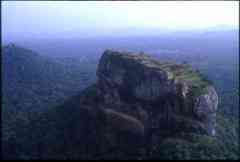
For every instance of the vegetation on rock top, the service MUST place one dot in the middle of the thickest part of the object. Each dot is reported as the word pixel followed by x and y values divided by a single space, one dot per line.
pixel 181 72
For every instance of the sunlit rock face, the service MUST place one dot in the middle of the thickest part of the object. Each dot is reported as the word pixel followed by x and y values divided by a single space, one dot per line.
pixel 205 109
pixel 166 97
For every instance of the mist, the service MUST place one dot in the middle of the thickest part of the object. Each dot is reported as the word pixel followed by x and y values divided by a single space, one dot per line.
pixel 67 20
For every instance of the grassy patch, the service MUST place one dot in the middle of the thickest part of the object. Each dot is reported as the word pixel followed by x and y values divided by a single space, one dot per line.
pixel 197 81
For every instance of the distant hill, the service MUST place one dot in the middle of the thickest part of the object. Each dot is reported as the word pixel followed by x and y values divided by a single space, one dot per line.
pixel 32 83
pixel 26 73
pixel 21 65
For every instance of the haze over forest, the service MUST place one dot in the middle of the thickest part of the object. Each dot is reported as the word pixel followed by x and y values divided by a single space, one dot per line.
pixel 52 20
pixel 51 53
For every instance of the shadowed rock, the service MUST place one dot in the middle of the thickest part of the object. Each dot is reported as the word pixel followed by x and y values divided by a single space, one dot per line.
pixel 137 101
pixel 160 89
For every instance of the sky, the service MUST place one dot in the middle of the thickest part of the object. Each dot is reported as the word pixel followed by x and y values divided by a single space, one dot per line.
pixel 32 19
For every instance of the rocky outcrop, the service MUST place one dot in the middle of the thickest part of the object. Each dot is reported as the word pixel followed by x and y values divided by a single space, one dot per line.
pixel 138 96
pixel 160 92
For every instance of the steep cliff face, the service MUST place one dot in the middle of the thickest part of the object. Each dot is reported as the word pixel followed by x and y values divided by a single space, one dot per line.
pixel 138 101
pixel 161 95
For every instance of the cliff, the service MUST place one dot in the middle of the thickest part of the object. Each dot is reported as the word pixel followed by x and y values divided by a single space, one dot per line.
pixel 138 100
pixel 164 95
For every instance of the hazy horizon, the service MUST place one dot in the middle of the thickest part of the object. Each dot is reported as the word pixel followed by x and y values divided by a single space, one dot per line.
pixel 51 20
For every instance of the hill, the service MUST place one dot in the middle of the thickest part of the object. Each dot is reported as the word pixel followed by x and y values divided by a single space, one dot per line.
pixel 32 83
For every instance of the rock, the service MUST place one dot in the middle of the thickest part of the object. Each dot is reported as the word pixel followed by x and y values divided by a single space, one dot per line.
pixel 161 89
pixel 137 98
pixel 205 108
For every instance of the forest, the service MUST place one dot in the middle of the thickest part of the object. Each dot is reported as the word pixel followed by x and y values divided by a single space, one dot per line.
pixel 35 84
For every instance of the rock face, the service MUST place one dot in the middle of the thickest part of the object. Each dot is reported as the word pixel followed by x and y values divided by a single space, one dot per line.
pixel 137 96
pixel 161 93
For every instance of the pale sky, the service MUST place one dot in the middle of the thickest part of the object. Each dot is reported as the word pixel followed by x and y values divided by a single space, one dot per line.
pixel 36 18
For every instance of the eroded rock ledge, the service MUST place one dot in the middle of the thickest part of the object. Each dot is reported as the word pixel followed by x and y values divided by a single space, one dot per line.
pixel 138 95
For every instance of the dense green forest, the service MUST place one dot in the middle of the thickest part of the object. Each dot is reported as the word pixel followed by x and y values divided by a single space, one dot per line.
pixel 31 84
pixel 34 127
